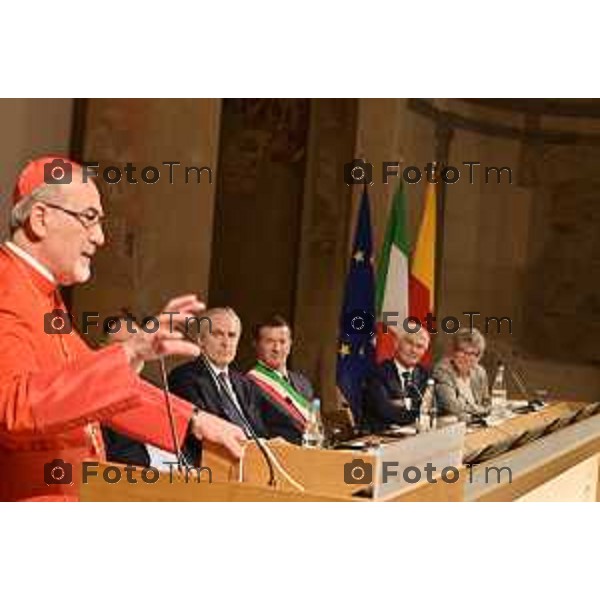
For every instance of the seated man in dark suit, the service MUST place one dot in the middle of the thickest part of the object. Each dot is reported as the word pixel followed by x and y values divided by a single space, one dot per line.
pixel 212 385
pixel 392 392
pixel 289 393
pixel 120 448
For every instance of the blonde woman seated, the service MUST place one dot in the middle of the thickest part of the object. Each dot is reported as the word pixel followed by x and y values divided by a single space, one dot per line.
pixel 461 382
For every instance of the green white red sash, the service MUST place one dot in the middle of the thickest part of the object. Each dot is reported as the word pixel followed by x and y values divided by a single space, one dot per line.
pixel 281 392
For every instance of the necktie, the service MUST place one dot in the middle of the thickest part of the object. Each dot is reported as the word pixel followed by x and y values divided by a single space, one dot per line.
pixel 235 410
pixel 406 387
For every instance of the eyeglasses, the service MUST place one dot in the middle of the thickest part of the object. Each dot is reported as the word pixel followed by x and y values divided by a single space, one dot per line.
pixel 470 353
pixel 88 217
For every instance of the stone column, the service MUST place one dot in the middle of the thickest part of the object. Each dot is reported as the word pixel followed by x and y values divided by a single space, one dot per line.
pixel 159 236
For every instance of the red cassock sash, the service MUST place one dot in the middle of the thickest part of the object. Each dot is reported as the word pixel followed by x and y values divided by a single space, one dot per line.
pixel 55 391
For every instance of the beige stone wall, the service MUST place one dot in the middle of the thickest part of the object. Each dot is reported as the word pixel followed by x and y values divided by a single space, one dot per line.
pixel 388 131
pixel 562 288
pixel 498 257
pixel 527 250
pixel 256 240
pixel 30 127
pixel 158 236
pixel 323 254
pixel 486 233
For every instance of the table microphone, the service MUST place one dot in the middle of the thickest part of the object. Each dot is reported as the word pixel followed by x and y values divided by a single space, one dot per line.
pixel 409 381
pixel 517 378
pixel 181 459
pixel 249 429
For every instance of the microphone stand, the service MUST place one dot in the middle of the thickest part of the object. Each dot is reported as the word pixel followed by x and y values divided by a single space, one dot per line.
pixel 516 377
pixel 249 430
pixel 409 382
pixel 182 461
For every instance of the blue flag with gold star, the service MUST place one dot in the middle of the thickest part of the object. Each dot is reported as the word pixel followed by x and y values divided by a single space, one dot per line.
pixel 356 349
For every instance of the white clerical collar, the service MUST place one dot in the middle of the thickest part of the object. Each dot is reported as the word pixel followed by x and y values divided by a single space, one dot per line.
pixel 31 261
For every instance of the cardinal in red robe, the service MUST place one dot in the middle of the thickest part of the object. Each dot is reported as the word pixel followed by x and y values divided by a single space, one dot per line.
pixel 54 389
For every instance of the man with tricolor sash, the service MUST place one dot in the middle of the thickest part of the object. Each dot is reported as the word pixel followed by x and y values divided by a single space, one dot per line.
pixel 289 393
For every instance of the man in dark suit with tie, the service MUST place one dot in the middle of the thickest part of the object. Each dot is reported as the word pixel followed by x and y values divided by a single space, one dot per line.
pixel 212 385
pixel 393 391
pixel 288 393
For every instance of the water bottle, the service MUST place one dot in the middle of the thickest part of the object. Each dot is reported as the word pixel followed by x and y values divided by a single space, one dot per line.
pixel 425 422
pixel 313 436
pixel 434 407
pixel 498 392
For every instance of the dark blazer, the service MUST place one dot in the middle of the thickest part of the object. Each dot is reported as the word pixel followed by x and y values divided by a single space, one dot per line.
pixel 301 384
pixel 194 382
pixel 122 449
pixel 277 421
pixel 383 386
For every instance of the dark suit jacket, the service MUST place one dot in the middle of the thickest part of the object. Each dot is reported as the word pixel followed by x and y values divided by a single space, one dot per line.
pixel 122 449
pixel 277 421
pixel 194 382
pixel 383 386
pixel 301 384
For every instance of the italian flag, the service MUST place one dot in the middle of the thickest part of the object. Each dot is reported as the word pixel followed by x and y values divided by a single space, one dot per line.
pixel 422 273
pixel 391 294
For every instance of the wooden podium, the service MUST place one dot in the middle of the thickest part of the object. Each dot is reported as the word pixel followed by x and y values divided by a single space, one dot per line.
pixel 311 475
pixel 561 465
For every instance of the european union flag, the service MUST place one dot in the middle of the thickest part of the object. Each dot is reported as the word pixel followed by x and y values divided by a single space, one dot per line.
pixel 356 350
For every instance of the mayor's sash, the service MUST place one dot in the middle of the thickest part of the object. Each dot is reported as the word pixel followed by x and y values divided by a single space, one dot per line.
pixel 282 393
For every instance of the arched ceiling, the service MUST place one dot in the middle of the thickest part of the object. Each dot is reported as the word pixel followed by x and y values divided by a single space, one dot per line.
pixel 561 107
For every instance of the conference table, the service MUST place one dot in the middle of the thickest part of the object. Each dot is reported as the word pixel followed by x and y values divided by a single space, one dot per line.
pixel 512 429
pixel 550 454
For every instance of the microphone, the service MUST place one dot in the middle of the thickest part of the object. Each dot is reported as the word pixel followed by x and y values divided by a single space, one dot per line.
pixel 517 377
pixel 259 444
pixel 182 461
pixel 180 457
pixel 409 382
pixel 247 426
pixel 240 414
